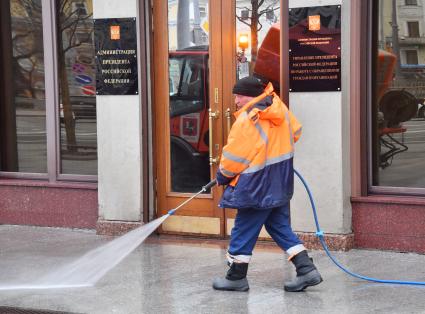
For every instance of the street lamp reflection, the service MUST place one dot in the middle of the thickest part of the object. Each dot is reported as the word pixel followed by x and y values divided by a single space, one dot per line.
pixel 243 43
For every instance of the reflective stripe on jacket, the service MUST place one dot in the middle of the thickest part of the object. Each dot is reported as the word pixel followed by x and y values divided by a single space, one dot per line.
pixel 257 160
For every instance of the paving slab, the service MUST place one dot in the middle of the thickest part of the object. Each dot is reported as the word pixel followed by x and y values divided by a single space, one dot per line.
pixel 174 276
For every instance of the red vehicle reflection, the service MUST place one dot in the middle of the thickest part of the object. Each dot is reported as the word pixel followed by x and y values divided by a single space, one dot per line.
pixel 189 118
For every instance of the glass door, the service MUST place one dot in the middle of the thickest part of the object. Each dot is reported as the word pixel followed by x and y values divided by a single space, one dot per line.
pixel 188 112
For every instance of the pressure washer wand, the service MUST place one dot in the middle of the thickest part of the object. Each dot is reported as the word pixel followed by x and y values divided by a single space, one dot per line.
pixel 204 189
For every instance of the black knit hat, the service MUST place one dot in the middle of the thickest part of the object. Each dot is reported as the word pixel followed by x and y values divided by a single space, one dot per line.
pixel 248 86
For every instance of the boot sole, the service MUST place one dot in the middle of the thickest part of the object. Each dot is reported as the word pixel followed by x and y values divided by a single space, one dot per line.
pixel 228 285
pixel 244 289
pixel 311 283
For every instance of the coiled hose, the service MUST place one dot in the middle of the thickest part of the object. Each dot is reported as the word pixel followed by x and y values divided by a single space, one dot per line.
pixel 320 235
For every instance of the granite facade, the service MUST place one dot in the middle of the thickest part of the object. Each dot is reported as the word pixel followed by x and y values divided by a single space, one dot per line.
pixel 41 203
pixel 389 223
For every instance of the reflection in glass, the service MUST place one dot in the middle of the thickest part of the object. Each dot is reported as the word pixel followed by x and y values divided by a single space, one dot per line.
pixel 77 108
pixel 22 105
pixel 398 109
pixel 256 20
pixel 188 85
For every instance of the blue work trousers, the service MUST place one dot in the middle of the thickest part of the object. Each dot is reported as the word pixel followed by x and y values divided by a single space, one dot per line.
pixel 248 225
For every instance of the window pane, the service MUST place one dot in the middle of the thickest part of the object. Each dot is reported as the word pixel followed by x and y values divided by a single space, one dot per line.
pixel 77 107
pixel 398 112
pixel 257 25
pixel 412 57
pixel 188 74
pixel 411 2
pixel 22 99
pixel 413 29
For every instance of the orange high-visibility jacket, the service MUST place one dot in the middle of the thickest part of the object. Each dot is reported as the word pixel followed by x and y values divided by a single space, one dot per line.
pixel 257 161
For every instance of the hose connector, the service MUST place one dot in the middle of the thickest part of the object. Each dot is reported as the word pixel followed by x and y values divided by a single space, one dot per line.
pixel 209 185
pixel 171 211
pixel 319 234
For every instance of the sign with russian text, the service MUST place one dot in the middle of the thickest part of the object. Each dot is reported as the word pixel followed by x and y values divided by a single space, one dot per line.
pixel 116 56
pixel 315 49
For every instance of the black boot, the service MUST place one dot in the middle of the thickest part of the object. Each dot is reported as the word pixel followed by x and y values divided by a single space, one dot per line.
pixel 235 278
pixel 307 273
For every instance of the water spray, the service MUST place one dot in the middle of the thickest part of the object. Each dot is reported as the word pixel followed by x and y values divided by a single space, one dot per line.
pixel 92 266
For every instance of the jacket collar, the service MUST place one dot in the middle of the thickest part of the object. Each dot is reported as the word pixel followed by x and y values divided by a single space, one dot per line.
pixel 269 90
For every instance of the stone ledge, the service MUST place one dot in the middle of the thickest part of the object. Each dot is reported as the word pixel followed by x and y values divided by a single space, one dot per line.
pixel 335 242
pixel 115 228
pixel 389 200
pixel 26 183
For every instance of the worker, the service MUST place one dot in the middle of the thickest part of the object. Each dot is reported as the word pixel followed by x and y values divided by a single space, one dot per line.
pixel 257 167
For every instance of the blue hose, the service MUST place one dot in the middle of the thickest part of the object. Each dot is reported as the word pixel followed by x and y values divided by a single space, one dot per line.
pixel 320 235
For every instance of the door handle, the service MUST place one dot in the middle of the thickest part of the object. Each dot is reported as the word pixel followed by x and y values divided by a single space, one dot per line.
pixel 229 120
pixel 212 115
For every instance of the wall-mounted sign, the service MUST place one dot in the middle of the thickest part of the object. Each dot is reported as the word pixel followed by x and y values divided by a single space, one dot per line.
pixel 116 56
pixel 315 49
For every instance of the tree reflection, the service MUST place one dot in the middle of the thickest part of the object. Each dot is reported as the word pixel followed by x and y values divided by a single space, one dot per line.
pixel 27 42
pixel 250 14
pixel 70 19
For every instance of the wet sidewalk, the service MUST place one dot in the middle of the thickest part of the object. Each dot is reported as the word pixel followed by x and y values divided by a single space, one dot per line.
pixel 172 276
